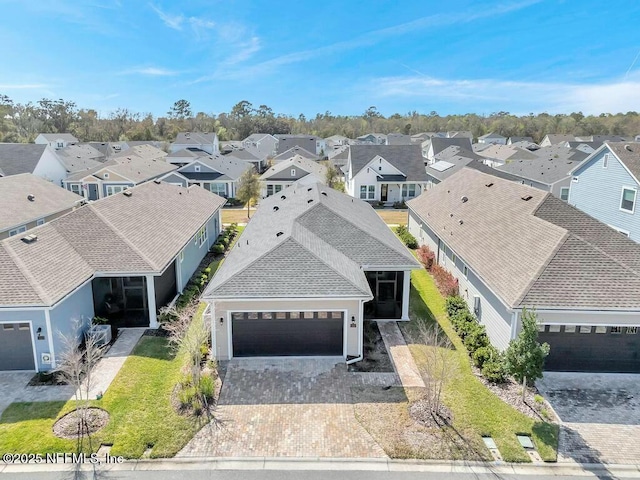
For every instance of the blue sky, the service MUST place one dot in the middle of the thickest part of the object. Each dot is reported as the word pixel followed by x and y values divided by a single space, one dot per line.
pixel 454 56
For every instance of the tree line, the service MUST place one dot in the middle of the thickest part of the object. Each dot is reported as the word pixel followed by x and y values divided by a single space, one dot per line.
pixel 23 122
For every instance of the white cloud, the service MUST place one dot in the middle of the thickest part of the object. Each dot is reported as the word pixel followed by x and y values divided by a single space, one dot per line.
pixel 172 21
pixel 245 50
pixel 150 71
pixel 517 97
pixel 23 86
pixel 198 25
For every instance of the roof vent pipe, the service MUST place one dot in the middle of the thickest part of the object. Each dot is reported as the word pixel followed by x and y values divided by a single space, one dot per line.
pixel 31 197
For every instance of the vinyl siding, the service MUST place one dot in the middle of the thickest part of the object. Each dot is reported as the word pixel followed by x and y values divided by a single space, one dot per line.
pixel 599 190
pixel 493 314
pixel 193 254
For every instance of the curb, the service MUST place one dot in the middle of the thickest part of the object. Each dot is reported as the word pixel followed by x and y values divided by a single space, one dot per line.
pixel 333 464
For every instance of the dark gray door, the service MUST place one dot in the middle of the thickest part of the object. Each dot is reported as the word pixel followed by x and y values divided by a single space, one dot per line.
pixel 16 351
pixel 93 191
pixel 267 335
pixel 607 349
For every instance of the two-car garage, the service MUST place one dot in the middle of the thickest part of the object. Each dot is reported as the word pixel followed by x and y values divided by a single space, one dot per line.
pixel 291 333
pixel 16 347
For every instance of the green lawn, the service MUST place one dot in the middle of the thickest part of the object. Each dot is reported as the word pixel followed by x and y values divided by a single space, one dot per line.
pixel 476 410
pixel 138 400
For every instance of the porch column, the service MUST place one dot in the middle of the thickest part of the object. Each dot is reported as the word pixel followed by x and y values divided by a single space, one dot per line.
pixel 406 284
pixel 151 301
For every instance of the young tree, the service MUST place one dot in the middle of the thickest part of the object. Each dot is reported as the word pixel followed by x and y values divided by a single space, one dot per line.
pixel 525 355
pixel 440 366
pixel 180 110
pixel 248 188
pixel 332 178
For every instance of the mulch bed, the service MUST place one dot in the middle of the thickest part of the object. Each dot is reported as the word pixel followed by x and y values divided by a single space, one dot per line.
pixel 46 379
pixel 376 358
pixel 421 412
pixel 69 425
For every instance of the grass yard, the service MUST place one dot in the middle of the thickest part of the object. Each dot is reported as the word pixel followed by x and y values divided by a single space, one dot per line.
pixel 138 401
pixel 393 216
pixel 235 215
pixel 476 411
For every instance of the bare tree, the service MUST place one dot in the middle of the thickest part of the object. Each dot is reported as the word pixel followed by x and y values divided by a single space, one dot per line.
pixel 440 365
pixel 76 364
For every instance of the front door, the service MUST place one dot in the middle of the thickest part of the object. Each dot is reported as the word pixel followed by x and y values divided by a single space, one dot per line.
pixel 384 190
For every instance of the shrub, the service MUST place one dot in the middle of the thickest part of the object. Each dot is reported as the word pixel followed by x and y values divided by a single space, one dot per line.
pixel 218 248
pixel 207 387
pixel 400 205
pixel 468 325
pixel 426 256
pixel 447 284
pixel 476 338
pixel 461 319
pixel 455 304
pixel 483 354
pixel 224 241
pixel 196 405
pixel 406 237
pixel 188 294
pixel 494 369
pixel 187 396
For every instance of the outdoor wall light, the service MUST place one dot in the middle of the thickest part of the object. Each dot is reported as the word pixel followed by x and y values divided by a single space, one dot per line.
pixel 39 332
pixel 221 320
pixel 353 322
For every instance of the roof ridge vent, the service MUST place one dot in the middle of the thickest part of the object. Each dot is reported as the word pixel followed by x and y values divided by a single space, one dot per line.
pixel 276 208
pixel 628 148
pixel 279 234
pixel 31 197
pixel 464 199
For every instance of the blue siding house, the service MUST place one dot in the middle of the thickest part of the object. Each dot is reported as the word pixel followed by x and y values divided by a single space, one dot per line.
pixel 122 257
pixel 606 186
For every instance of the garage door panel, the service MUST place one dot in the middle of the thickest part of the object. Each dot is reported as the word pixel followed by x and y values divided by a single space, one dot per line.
pixel 287 337
pixel 592 352
pixel 16 349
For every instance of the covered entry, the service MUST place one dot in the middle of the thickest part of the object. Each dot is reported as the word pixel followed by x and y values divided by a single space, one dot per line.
pixel 576 348
pixel 16 348
pixel 287 333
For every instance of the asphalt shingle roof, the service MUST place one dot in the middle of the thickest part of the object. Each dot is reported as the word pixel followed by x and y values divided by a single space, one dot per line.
pixel 406 158
pixel 540 170
pixel 539 253
pixel 16 158
pixel 308 241
pixel 629 154
pixel 309 166
pixel 17 209
pixel 140 233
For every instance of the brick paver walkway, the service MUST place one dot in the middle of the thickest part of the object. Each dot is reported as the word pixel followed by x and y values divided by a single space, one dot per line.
pixel 600 415
pixel 400 355
pixel 287 407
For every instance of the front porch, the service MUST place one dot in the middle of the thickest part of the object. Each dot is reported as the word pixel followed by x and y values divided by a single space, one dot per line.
pixel 390 295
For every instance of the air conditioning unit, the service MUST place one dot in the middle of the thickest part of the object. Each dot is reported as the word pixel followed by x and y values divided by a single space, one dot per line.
pixel 476 305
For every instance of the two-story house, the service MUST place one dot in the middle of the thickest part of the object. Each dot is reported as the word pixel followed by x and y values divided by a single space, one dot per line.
pixel 311 143
pixel 385 173
pixel 606 186
pixel 204 141
pixel 494 138
pixel 56 140
pixel 39 159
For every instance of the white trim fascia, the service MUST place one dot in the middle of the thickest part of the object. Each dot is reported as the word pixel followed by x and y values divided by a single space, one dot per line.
pixel 47 318
pixel 387 268
pixel 591 156
pixel 581 312
pixel 110 180
pixel 290 299
pixel 592 324
pixel 173 172
pixel 33 345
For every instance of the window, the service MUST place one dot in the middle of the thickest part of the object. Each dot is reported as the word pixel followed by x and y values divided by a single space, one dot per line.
pixel 541 327
pixel 196 168
pixel 616 330
pixel 632 330
pixel 8 326
pixel 569 329
pixel 293 172
pixel 409 191
pixel 76 188
pixel 628 201
pixel 564 193
pixel 60 144
pixel 218 189
pixel 23 326
pixel 113 189
pixel 269 190
pixel 277 188
pixel 601 329
pixel 363 192
pixel 18 230
pixel 40 221
pixel 453 258
pixel 201 236
pixel 465 272
pixel 554 328
pixel 585 329
pixel 605 160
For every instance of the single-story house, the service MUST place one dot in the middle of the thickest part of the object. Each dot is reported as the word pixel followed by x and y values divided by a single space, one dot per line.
pixel 121 258
pixel 29 201
pixel 512 246
pixel 286 173
pixel 385 173
pixel 249 156
pixel 218 174
pixel 80 157
pixel 309 268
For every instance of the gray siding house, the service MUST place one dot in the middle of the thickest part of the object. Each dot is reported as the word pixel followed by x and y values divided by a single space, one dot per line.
pixel 512 246
pixel 310 267
pixel 606 187
pixel 121 258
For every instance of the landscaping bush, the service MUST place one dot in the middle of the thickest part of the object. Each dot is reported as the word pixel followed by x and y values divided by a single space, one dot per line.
pixel 494 369
pixel 188 294
pixel 454 305
pixel 426 257
pixel 233 202
pixel 447 284
pixel 218 248
pixel 400 205
pixel 408 239
pixel 207 387
pixel 468 328
pixel 483 354
pixel 461 319
pixel 187 397
pixel 476 338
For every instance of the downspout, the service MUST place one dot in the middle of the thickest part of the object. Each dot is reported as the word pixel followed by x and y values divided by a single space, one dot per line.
pixel 360 349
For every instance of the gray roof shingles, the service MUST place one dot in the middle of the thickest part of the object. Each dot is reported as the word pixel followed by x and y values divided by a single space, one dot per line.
pixel 16 158
pixel 406 158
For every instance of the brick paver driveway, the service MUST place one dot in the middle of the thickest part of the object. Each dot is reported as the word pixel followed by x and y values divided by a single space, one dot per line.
pixel 286 407
pixel 600 415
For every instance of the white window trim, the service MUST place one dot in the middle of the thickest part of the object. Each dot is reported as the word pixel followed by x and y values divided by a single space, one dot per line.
pixel 115 189
pixel 561 190
pixel 39 222
pixel 620 230
pixel 18 230
pixel 635 199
